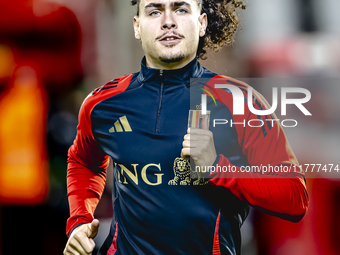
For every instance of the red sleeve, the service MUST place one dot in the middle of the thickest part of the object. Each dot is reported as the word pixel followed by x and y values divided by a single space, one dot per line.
pixel 279 193
pixel 87 162
pixel 283 197
pixel 86 172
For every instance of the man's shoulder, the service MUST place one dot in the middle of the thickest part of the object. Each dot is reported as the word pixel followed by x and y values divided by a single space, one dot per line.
pixel 223 79
pixel 111 88
pixel 221 84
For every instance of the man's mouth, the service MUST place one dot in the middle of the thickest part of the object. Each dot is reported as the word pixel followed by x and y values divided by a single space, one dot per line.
pixel 169 39
pixel 172 38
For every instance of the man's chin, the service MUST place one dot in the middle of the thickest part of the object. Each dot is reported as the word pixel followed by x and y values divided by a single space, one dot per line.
pixel 172 58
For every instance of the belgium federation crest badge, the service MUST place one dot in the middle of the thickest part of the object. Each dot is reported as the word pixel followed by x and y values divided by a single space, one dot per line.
pixel 184 175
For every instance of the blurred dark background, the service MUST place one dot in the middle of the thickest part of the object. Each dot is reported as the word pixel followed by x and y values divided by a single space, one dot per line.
pixel 54 52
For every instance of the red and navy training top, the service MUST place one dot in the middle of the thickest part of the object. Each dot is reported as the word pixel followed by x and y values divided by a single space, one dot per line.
pixel 139 120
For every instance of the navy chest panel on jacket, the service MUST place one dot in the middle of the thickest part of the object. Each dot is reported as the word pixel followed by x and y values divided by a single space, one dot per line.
pixel 143 144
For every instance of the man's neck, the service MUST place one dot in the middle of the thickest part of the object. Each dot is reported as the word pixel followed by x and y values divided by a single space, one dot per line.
pixel 167 66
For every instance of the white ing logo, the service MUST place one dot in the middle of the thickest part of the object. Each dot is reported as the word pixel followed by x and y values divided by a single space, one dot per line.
pixel 238 104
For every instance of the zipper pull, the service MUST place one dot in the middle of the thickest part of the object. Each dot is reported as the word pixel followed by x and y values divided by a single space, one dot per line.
pixel 161 74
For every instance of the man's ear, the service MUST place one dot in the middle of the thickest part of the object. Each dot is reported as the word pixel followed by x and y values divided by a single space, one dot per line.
pixel 136 27
pixel 203 19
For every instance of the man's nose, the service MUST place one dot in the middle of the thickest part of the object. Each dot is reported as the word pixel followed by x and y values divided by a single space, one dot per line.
pixel 169 21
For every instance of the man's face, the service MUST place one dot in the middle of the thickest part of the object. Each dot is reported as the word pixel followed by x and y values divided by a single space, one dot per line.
pixel 169 31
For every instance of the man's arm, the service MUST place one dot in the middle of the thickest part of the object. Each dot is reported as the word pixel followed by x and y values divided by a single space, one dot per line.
pixel 87 162
pixel 284 197
pixel 86 174
pixel 84 186
pixel 280 194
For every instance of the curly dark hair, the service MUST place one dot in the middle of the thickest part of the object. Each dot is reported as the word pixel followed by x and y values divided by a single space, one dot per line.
pixel 222 24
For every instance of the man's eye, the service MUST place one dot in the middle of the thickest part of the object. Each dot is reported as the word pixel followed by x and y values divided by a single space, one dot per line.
pixel 154 13
pixel 182 11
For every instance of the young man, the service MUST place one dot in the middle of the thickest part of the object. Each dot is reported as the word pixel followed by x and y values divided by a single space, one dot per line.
pixel 140 121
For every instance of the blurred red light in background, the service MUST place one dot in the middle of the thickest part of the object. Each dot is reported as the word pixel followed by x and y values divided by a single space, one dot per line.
pixel 39 52
pixel 23 160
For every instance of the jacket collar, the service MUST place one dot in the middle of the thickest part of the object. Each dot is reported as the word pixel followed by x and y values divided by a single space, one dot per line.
pixel 171 77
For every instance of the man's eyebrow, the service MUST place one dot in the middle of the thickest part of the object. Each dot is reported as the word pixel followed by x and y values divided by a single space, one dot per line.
pixel 173 4
pixel 180 3
pixel 156 5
